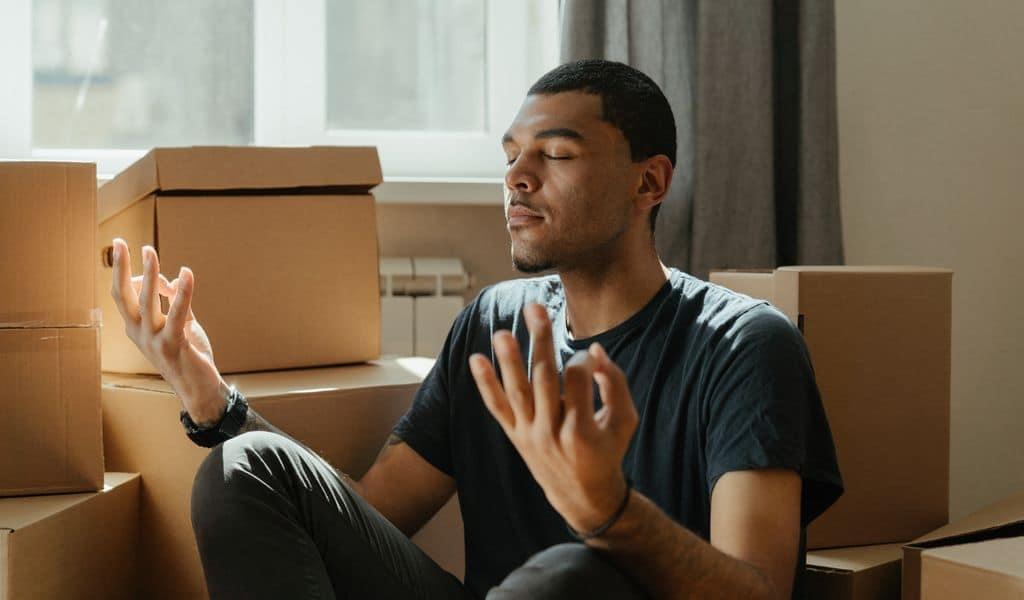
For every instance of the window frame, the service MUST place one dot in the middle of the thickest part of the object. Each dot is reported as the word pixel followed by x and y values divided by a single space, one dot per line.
pixel 289 85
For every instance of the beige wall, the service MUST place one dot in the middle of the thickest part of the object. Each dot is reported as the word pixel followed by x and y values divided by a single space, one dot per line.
pixel 931 130
pixel 474 233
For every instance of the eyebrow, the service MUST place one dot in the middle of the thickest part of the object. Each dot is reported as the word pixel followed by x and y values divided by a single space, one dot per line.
pixel 557 132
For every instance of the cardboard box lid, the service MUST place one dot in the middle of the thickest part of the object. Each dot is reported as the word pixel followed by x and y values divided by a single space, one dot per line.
pixel 1003 556
pixel 346 169
pixel 1002 519
pixel 301 382
pixel 855 559
pixel 20 512
pixel 860 269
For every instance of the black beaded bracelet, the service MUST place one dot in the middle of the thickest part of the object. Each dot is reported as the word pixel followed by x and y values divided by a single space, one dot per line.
pixel 601 529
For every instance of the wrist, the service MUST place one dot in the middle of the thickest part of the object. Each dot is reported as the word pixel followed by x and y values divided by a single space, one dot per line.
pixel 599 528
pixel 206 407
pixel 601 506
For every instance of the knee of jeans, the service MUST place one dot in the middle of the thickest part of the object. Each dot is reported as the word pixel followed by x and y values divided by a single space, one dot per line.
pixel 562 571
pixel 225 475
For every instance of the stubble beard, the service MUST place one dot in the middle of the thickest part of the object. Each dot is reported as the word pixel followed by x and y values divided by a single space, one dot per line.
pixel 531 264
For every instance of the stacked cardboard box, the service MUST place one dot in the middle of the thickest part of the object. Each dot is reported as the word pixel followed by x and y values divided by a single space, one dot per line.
pixel 879 340
pixel 50 434
pixel 283 244
pixel 71 546
pixel 342 413
pixel 858 573
pixel 55 543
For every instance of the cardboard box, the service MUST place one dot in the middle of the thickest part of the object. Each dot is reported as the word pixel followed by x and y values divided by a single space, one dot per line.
pixel 343 413
pixel 982 552
pixel 71 546
pixel 48 215
pixel 992 569
pixel 879 340
pixel 283 243
pixel 50 426
pixel 858 573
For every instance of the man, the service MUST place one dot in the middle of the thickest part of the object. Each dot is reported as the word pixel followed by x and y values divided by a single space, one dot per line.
pixel 617 430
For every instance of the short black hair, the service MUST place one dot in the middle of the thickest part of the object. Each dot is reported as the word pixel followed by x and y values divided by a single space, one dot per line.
pixel 630 100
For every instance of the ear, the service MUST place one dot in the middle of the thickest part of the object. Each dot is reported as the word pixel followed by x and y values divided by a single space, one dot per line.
pixel 655 178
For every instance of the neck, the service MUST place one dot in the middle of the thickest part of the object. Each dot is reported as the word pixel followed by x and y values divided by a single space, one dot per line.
pixel 605 293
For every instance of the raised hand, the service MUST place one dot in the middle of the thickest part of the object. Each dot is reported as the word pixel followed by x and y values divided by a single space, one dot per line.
pixel 574 453
pixel 174 342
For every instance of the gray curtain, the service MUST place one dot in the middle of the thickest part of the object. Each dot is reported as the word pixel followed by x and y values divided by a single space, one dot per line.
pixel 752 86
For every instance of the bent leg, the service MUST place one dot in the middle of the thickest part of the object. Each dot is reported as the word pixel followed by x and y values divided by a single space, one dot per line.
pixel 274 520
pixel 567 572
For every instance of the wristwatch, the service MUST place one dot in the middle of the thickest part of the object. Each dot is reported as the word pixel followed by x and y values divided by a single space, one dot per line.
pixel 228 426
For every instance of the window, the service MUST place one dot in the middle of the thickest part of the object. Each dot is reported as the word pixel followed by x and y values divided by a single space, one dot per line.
pixel 431 83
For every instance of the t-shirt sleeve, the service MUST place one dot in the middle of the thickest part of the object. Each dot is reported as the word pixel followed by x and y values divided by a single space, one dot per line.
pixel 426 426
pixel 765 411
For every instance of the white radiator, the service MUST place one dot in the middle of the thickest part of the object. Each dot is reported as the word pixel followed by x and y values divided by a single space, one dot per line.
pixel 420 298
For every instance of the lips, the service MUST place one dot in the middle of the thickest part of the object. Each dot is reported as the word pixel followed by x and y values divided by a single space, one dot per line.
pixel 519 216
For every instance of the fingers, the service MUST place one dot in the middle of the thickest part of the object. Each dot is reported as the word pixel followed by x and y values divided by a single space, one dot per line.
pixel 167 289
pixel 618 413
pixel 491 392
pixel 543 370
pixel 181 306
pixel 513 375
pixel 579 390
pixel 126 300
pixel 149 299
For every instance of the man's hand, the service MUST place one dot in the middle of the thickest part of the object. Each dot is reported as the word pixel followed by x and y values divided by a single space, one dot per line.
pixel 574 453
pixel 175 343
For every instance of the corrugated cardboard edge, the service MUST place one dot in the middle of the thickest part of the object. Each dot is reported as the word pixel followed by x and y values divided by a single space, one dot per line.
pixel 136 182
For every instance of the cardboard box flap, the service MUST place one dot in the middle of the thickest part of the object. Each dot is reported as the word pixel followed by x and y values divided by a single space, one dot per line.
pixel 1005 556
pixel 849 560
pixel 1002 519
pixel 22 511
pixel 297 382
pixel 335 169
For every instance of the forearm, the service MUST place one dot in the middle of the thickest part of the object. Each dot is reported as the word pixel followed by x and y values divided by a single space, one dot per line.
pixel 672 562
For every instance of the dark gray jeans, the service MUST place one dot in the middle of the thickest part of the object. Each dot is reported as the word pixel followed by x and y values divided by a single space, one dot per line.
pixel 274 520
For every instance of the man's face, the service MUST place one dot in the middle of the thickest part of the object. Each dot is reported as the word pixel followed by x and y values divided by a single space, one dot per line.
pixel 569 185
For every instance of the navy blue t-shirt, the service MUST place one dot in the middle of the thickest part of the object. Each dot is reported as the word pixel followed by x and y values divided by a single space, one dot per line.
pixel 721 382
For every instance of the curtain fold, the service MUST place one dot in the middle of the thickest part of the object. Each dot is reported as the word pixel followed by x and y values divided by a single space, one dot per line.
pixel 752 86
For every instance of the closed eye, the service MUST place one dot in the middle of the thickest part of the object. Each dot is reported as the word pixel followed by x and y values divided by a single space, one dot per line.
pixel 509 162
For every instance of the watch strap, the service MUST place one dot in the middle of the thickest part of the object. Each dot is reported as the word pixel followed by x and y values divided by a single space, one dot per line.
pixel 227 427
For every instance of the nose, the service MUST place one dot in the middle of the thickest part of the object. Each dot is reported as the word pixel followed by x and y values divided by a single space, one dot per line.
pixel 520 177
